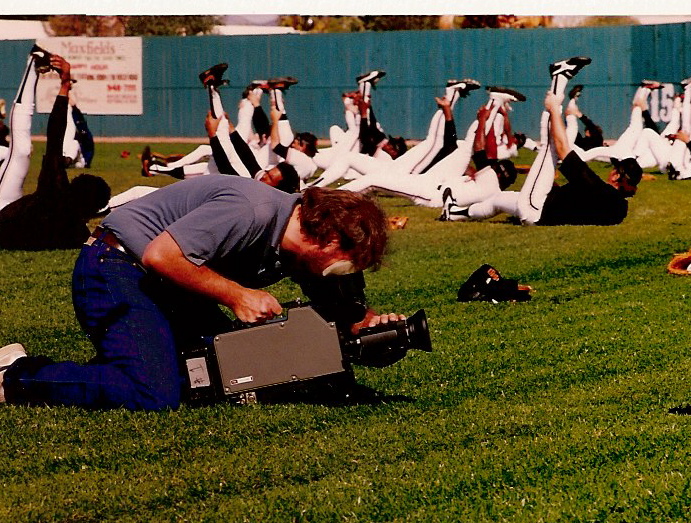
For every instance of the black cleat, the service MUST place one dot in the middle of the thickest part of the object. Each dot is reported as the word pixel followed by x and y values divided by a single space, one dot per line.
pixel 510 95
pixel 576 91
pixel 213 77
pixel 372 77
pixel 281 82
pixel 569 67
pixel 261 84
pixel 447 201
pixel 464 86
pixel 651 84
pixel 41 59
pixel 520 139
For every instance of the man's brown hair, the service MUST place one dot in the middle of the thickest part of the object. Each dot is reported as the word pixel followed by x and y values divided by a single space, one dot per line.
pixel 358 223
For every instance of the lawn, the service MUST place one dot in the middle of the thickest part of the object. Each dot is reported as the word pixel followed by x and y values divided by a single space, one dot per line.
pixel 552 410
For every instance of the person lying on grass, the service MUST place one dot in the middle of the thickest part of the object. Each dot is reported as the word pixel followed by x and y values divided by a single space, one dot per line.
pixel 55 215
pixel 585 200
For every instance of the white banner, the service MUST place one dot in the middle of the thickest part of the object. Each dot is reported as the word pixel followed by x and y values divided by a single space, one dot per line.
pixel 108 73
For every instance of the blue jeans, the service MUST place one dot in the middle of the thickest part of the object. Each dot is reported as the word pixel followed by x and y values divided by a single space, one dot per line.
pixel 128 317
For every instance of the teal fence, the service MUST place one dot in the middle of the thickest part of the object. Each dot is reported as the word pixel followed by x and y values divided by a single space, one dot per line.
pixel 417 63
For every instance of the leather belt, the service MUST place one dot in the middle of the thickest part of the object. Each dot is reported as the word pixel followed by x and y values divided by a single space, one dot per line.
pixel 107 237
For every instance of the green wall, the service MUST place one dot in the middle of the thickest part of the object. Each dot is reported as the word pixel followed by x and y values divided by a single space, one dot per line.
pixel 417 63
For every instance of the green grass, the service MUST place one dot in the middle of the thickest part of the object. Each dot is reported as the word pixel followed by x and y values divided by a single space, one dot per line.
pixel 551 410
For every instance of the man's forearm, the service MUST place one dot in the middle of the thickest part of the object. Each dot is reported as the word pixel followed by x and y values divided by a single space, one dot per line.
pixel 558 132
pixel 57 123
pixel 164 256
pixel 480 140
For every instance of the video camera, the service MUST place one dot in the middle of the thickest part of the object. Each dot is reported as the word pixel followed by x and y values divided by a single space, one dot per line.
pixel 298 352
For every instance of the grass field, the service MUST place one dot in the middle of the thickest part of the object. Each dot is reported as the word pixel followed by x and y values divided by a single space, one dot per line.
pixel 550 410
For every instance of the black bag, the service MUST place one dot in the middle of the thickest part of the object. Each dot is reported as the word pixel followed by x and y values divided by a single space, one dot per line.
pixel 486 284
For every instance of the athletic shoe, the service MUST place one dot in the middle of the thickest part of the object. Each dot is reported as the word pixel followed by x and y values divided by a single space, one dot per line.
pixel 213 77
pixel 8 355
pixel 520 139
pixel 672 173
pixel 372 77
pixel 41 59
pixel 569 67
pixel 261 85
pixel 651 84
pixel 447 201
pixel 282 82
pixel 464 86
pixel 3 108
pixel 506 94
pixel 576 91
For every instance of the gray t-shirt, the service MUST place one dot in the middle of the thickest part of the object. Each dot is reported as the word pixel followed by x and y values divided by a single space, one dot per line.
pixel 232 224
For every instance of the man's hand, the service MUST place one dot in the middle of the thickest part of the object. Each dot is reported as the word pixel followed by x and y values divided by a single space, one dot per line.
pixel 640 102
pixel 442 102
pixel 254 306
pixel 384 319
pixel 275 114
pixel 569 110
pixel 372 319
pixel 62 66
pixel 445 107
pixel 164 256
pixel 552 101
pixel 211 124
pixel 254 98
pixel 557 127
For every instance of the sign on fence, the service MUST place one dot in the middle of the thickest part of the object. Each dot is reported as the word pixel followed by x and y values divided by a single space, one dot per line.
pixel 108 73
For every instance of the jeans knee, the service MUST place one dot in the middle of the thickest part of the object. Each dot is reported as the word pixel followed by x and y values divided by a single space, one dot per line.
pixel 159 398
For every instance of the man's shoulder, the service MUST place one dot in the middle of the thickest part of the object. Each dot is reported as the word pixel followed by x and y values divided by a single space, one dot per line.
pixel 237 190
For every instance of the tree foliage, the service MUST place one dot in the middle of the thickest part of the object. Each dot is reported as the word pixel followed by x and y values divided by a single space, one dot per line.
pixel 600 21
pixel 83 25
pixel 345 24
pixel 170 25
pixel 354 24
pixel 400 23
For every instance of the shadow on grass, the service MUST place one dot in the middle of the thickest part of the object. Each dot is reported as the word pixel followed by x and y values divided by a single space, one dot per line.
pixel 336 394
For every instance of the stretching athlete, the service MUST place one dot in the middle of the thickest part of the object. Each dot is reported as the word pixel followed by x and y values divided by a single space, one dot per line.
pixel 585 200
pixel 55 215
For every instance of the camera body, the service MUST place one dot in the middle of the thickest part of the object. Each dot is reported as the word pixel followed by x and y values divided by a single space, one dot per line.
pixel 295 353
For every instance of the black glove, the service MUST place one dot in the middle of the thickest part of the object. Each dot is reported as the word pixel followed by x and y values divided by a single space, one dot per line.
pixel 486 284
